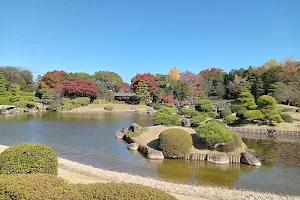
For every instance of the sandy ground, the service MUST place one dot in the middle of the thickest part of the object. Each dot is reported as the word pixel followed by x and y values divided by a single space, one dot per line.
pixel 117 108
pixel 78 173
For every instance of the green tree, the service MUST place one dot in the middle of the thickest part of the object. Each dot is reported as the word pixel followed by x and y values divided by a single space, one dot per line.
pixel 110 79
pixel 268 107
pixel 247 101
pixel 142 91
pixel 257 87
pixel 15 91
pixel 3 82
pixel 181 90
pixel 105 93
pixel 205 105
pixel 167 116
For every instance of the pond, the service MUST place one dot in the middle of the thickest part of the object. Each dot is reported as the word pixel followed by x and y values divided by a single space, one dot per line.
pixel 89 139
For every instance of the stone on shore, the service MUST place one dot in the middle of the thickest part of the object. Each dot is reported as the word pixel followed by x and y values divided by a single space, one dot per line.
pixel 218 159
pixel 155 154
pixel 185 122
pixel 249 159
pixel 133 146
pixel 135 127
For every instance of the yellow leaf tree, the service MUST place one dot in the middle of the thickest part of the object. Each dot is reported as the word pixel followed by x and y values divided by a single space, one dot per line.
pixel 174 72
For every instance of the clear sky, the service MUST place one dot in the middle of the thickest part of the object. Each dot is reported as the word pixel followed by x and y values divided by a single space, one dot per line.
pixel 129 36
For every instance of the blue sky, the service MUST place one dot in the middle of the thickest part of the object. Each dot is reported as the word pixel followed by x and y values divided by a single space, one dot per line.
pixel 146 35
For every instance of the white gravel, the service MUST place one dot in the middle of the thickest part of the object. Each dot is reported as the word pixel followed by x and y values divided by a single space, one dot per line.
pixel 197 191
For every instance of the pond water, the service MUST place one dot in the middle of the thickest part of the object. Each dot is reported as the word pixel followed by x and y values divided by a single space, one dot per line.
pixel 89 139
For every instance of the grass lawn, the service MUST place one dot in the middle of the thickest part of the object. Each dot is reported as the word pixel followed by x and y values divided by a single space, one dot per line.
pixel 116 107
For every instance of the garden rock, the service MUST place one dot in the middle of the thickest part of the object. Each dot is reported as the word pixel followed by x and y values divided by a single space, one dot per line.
pixel 249 159
pixel 120 133
pixel 185 122
pixel 218 159
pixel 155 154
pixel 133 146
pixel 194 125
pixel 135 127
pixel 151 110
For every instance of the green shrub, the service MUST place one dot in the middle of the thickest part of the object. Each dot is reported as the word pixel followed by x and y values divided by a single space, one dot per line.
pixel 236 143
pixel 36 186
pixel 109 108
pixel 225 113
pixel 167 116
pixel 287 118
pixel 231 119
pixel 96 101
pixel 121 191
pixel 104 101
pixel 253 114
pixel 137 133
pixel 80 101
pixel 212 114
pixel 175 143
pixel 188 111
pixel 237 107
pixel 49 187
pixel 199 118
pixel 4 101
pixel 204 105
pixel 213 132
pixel 157 106
pixel 241 114
pixel 28 158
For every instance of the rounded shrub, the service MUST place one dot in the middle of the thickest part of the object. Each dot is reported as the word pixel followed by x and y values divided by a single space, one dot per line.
pixel 214 132
pixel 212 114
pixel 36 186
pixel 167 116
pixel 231 119
pixel 109 108
pixel 287 118
pixel 229 147
pixel 121 191
pixel 188 111
pixel 175 143
pixel 199 118
pixel 225 113
pixel 28 158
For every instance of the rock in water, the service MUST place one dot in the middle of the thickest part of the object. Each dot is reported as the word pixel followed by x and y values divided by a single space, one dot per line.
pixel 121 132
pixel 155 154
pixel 218 159
pixel 249 159
pixel 133 146
pixel 134 127
pixel 151 110
pixel 185 122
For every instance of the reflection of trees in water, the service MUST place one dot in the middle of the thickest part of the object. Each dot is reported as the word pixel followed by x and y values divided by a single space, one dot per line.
pixel 267 151
pixel 290 155
pixel 220 175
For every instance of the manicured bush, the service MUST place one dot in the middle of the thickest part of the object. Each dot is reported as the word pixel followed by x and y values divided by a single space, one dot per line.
pixel 109 108
pixel 236 107
pixel 175 143
pixel 199 118
pixel 225 113
pixel 157 106
pixel 212 114
pixel 36 186
pixel 137 133
pixel 214 132
pixel 241 114
pixel 204 105
pixel 253 114
pixel 229 147
pixel 80 101
pixel 247 100
pixel 287 118
pixel 188 111
pixel 96 101
pixel 49 187
pixel 28 158
pixel 167 116
pixel 231 119
pixel 121 191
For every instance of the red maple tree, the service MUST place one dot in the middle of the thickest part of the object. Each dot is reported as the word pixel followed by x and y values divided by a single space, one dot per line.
pixel 78 87
pixel 149 79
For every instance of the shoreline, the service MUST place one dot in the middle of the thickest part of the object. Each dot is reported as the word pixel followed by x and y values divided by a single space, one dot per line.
pixel 182 191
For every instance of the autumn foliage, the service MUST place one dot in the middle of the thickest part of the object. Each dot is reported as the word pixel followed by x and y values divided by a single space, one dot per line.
pixel 54 79
pixel 149 79
pixel 78 87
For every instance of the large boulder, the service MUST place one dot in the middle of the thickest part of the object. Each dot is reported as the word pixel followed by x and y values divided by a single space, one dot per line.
pixel 121 132
pixel 151 111
pixel 135 127
pixel 155 154
pixel 249 159
pixel 185 122
pixel 133 146
pixel 218 159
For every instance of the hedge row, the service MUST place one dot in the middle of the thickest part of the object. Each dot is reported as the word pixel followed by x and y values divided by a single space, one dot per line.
pixel 46 187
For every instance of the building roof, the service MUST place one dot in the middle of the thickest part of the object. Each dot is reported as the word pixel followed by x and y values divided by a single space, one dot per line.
pixel 123 94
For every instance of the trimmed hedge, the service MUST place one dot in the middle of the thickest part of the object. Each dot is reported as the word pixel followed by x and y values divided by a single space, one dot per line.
pixel 287 118
pixel 46 187
pixel 225 113
pixel 167 116
pixel 109 108
pixel 175 143
pixel 231 119
pixel 214 132
pixel 28 158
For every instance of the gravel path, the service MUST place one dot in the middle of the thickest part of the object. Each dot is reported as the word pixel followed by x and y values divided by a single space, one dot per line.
pixel 182 191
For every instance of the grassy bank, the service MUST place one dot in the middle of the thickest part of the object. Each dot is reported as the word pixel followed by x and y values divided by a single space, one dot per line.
pixel 116 108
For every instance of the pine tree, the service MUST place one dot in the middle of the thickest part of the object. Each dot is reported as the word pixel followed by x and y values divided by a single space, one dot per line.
pixel 142 91
pixel 3 87
pixel 15 91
